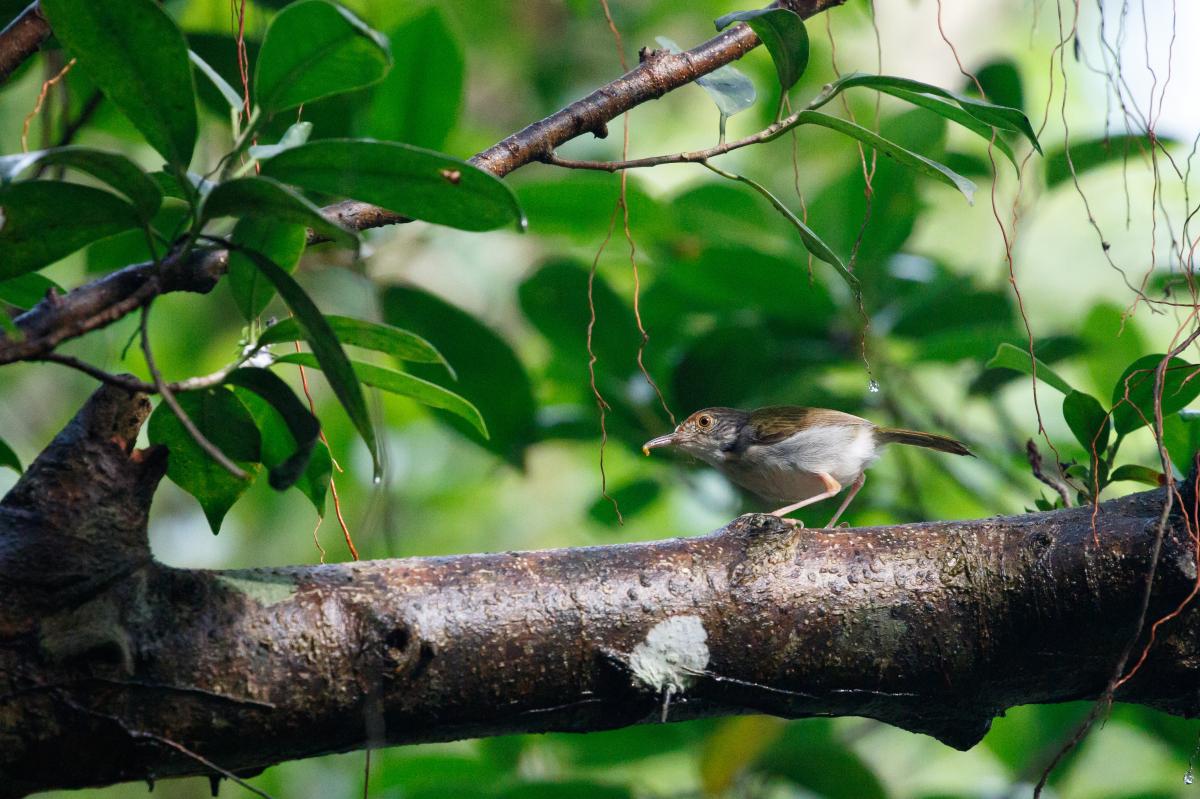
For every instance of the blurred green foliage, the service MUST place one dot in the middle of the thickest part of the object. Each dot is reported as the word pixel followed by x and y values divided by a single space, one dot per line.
pixel 737 314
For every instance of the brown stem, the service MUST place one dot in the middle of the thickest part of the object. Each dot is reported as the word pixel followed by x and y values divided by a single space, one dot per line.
pixel 97 304
pixel 21 38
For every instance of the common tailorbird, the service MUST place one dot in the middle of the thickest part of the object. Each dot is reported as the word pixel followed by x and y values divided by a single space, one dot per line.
pixel 789 454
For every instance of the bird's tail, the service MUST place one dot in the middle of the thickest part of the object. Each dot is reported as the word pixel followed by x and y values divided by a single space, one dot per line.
pixel 891 435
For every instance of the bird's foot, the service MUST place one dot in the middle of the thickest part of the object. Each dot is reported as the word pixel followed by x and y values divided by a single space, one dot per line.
pixel 795 524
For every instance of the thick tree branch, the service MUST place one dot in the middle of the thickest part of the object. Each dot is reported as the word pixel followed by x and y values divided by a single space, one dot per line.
pixel 103 301
pixel 21 38
pixel 934 627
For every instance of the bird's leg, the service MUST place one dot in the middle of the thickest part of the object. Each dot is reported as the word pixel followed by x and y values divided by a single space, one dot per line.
pixel 854 488
pixel 831 488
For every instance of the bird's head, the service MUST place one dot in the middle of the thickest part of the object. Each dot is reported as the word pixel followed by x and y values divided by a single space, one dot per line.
pixel 707 434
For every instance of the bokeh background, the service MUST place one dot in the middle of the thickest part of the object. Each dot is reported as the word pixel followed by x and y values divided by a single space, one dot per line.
pixel 736 316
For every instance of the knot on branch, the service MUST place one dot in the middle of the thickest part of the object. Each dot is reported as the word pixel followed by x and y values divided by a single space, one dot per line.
pixel 78 514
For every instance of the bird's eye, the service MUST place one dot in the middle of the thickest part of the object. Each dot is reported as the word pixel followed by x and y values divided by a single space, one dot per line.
pixel 704 422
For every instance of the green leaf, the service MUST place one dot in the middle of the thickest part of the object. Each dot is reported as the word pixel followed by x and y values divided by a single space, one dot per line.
pixel 228 92
pixel 732 91
pixel 418 101
pixel 1112 340
pixel 225 422
pixel 1009 357
pixel 278 444
pixel 326 349
pixel 786 39
pixel 315 49
pixel 959 116
pixel 1001 82
pixel 1094 153
pixel 294 136
pixel 995 115
pixel 417 183
pixel 9 458
pixel 137 56
pixel 302 426
pixel 28 290
pixel 490 376
pixel 405 385
pixel 261 196
pixel 1088 421
pixel 1181 434
pixel 114 169
pixel 400 344
pixel 281 242
pixel 633 497
pixel 1133 409
pixel 42 221
pixel 1133 473
pixel 891 149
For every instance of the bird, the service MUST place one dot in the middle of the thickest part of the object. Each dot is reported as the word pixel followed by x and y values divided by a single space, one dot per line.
pixel 794 455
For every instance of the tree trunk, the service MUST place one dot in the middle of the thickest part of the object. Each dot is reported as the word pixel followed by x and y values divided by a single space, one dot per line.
pixel 140 671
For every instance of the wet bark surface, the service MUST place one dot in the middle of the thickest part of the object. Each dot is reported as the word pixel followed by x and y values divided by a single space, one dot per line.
pixel 114 667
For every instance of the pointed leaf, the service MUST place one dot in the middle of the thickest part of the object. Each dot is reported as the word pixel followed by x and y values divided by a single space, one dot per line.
pixel 326 350
pixel 1088 421
pixel 417 183
pixel 786 39
pixel 137 56
pixel 278 445
pixel 112 168
pixel 9 458
pixel 418 101
pixel 294 136
pixel 224 421
pixel 1133 395
pixel 1131 472
pixel 302 426
pixel 1009 357
pixel 259 196
pixel 228 92
pixel 405 385
pixel 315 49
pixel 956 114
pixel 889 148
pixel 400 344
pixel 484 361
pixel 42 221
pixel 281 242
pixel 996 115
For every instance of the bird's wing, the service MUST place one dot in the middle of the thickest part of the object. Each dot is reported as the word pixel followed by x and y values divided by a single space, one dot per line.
pixel 774 424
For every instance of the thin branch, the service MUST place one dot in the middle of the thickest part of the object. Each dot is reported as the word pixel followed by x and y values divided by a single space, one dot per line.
pixel 21 38
pixel 769 133
pixel 137 734
pixel 97 304
pixel 168 397
pixel 1035 465
pixel 131 383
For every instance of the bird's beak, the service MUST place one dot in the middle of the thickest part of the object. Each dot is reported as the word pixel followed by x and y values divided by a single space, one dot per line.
pixel 661 441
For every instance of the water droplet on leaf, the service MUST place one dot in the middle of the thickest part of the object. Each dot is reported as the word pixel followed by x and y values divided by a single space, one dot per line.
pixel 873 386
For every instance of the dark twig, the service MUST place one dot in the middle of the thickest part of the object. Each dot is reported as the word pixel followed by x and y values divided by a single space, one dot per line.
pixel 167 742
pixel 1035 464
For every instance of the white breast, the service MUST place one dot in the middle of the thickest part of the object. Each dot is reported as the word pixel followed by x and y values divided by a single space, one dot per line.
pixel 787 470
